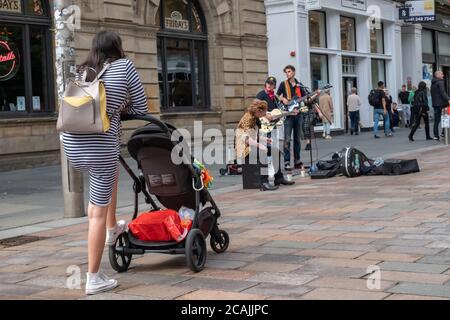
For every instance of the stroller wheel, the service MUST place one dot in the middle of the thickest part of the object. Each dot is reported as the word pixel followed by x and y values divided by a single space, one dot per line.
pixel 195 250
pixel 223 172
pixel 119 261
pixel 220 245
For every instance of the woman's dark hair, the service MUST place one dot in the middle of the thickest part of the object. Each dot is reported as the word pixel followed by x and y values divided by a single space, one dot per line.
pixel 106 46
pixel 422 85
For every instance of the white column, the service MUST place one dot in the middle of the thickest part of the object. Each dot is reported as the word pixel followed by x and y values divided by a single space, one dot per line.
pixel 282 36
pixel 302 40
pixel 412 53
pixel 364 70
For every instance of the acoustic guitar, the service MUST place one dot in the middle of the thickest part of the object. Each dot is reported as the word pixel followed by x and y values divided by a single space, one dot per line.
pixel 277 120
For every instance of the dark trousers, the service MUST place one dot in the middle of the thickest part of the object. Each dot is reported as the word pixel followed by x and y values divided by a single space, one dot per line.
pixel 252 173
pixel 354 121
pixel 437 120
pixel 417 117
pixel 292 124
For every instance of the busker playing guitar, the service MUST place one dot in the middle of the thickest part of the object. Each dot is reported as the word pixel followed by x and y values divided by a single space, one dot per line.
pixel 249 142
pixel 288 90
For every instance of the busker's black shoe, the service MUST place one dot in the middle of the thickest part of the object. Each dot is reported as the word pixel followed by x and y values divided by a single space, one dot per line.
pixel 267 187
pixel 429 138
pixel 298 165
pixel 308 147
pixel 410 138
pixel 284 182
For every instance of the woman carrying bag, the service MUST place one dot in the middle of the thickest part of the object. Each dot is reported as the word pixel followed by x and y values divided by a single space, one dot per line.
pixel 98 154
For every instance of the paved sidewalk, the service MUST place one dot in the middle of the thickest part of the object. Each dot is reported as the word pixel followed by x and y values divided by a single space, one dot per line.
pixel 33 198
pixel 318 239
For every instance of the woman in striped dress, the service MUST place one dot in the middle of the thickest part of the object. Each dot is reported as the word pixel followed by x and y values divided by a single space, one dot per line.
pixel 98 154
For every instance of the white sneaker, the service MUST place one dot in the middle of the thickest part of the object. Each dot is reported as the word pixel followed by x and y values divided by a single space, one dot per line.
pixel 99 282
pixel 113 234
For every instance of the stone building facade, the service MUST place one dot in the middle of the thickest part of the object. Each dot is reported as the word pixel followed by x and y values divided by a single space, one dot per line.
pixel 233 62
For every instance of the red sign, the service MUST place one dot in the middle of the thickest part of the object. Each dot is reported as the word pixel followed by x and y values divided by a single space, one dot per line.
pixel 9 61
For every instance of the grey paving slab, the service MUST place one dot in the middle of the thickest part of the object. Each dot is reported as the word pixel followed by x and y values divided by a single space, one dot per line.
pixel 217 284
pixel 18 290
pixel 273 289
pixel 12 278
pixel 282 258
pixel 411 250
pixel 292 244
pixel 295 279
pixel 356 228
pixel 413 267
pixel 433 290
pixel 267 250
pixel 47 281
pixel 352 247
pixel 445 260
pixel 225 264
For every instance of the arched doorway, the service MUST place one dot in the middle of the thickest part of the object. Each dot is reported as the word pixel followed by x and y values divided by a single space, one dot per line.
pixel 26 64
pixel 182 56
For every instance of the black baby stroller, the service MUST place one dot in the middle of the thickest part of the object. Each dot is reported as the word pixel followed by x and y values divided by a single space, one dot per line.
pixel 173 186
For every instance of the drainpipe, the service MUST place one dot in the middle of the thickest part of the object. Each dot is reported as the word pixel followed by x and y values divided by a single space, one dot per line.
pixel 66 18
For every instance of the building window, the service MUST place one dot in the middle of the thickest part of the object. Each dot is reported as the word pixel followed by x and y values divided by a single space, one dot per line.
pixel 182 56
pixel 377 40
pixel 317 29
pixel 348 34
pixel 427 41
pixel 26 64
pixel 444 44
pixel 378 72
pixel 348 65
pixel 319 70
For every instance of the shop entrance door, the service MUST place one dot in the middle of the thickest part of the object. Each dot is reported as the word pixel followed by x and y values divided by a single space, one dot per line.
pixel 446 71
pixel 348 84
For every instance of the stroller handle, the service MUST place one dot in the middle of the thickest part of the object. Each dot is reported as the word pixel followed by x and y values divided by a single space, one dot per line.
pixel 147 117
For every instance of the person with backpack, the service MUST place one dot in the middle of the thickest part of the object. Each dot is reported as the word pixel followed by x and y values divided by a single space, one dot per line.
pixel 98 153
pixel 421 108
pixel 377 99
pixel 440 100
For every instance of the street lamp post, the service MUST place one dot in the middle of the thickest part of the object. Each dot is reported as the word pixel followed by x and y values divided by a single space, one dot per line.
pixel 66 21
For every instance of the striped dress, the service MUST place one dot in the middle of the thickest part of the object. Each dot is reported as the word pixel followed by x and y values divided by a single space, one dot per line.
pixel 98 154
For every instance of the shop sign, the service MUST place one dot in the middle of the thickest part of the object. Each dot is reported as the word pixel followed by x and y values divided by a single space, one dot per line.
pixel 312 5
pixel 9 60
pixel 418 11
pixel 355 4
pixel 10 6
pixel 176 22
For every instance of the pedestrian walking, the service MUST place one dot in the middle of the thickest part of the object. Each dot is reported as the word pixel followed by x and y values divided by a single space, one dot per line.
pixel 421 109
pixel 326 113
pixel 389 102
pixel 377 99
pixel 353 105
pixel 440 100
pixel 98 154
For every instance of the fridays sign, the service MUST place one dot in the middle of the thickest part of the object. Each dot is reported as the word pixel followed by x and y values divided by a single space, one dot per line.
pixel 10 6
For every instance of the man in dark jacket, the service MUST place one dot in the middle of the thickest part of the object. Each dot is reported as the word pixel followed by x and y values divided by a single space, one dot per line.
pixel 440 100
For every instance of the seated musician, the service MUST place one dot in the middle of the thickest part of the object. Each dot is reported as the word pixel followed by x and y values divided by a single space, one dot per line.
pixel 250 146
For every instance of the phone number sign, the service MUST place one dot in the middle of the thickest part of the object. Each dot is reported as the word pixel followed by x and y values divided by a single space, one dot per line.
pixel 418 11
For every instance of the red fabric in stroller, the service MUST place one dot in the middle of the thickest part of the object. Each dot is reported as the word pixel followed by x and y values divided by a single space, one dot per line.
pixel 163 225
